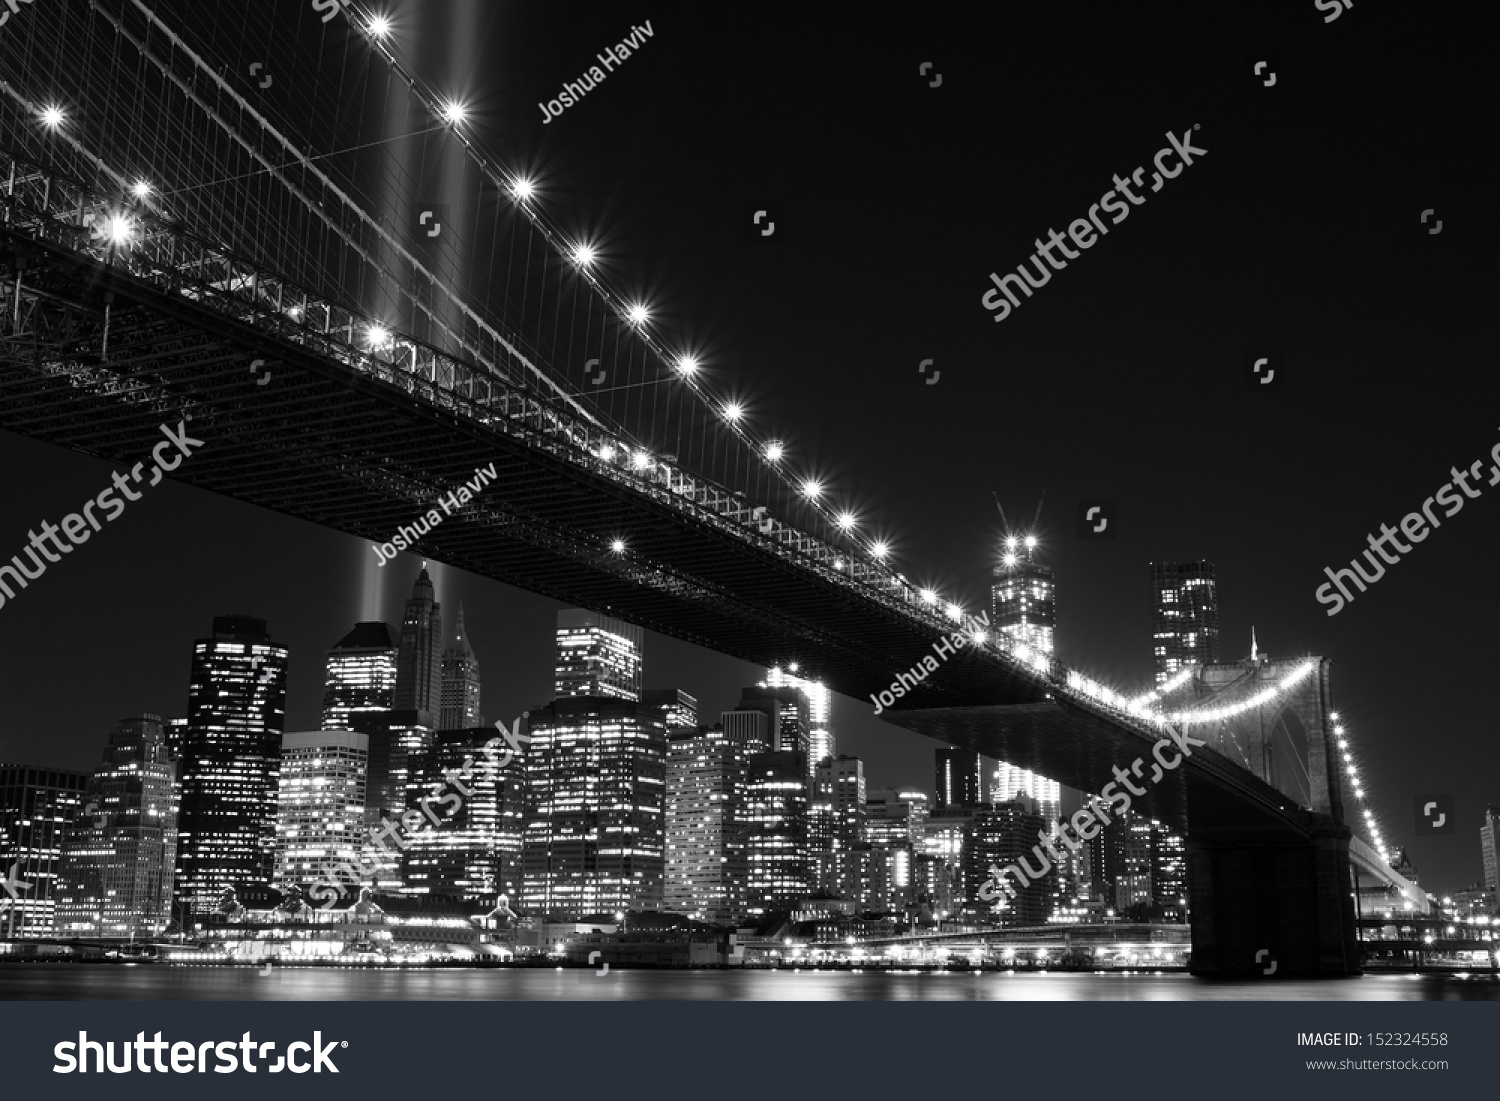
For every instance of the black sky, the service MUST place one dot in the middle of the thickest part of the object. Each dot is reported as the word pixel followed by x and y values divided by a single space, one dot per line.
pixel 1299 231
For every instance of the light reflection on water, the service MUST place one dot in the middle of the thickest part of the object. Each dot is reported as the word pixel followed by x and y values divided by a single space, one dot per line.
pixel 91 982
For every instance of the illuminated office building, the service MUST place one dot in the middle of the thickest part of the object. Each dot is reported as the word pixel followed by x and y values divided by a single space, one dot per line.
pixel 1489 848
pixel 835 821
pixel 959 778
pixel 1001 835
pixel 473 851
pixel 36 806
pixel 119 853
pixel 896 815
pixel 1185 613
pixel 780 872
pixel 789 714
pixel 676 708
pixel 361 675
pixel 419 660
pixel 595 830
pixel 320 814
pixel 230 766
pixel 597 656
pixel 706 864
pixel 460 682
pixel 1010 781
pixel 749 726
pixel 820 738
pixel 1023 596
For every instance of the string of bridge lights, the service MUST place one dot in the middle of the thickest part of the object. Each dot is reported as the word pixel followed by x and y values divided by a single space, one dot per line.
pixel 584 255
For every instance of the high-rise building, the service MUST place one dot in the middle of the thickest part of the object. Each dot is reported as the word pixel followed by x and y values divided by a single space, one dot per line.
pixel 473 851
pixel 595 816
pixel 959 778
pixel 673 706
pixel 895 815
pixel 320 816
pixel 419 661
pixel 776 801
pixel 119 854
pixel 751 727
pixel 230 766
pixel 706 863
pixel 1023 595
pixel 460 680
pixel 397 740
pixel 1489 847
pixel 1010 781
pixel 361 675
pixel 835 820
pixel 597 656
pixel 1185 614
pixel 943 838
pixel 789 713
pixel 36 806
pixel 820 737
pixel 999 836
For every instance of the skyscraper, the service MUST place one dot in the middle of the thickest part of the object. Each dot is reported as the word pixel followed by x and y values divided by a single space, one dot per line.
pixel 597 656
pixel 595 831
pixel 1023 595
pixel 1489 847
pixel 473 851
pixel 460 682
pixel 835 819
pixel 959 779
pixel 230 764
pixel 36 805
pixel 361 675
pixel 1010 781
pixel 119 854
pixel 320 816
pixel 706 863
pixel 419 665
pixel 673 706
pixel 789 712
pixel 1002 835
pixel 776 803
pixel 1185 615
pixel 820 738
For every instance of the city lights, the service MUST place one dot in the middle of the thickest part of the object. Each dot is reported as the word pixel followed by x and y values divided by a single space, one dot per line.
pixel 618 546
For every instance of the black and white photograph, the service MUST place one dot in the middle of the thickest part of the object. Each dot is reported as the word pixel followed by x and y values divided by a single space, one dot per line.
pixel 608 515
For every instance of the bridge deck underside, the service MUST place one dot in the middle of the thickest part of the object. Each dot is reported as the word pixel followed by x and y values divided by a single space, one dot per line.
pixel 1209 794
pixel 325 443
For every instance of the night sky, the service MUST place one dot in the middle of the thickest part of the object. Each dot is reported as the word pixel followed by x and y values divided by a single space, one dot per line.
pixel 1298 233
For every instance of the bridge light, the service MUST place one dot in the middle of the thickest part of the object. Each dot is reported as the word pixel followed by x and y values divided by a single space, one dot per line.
pixel 583 255
pixel 522 188
pixel 53 117
pixel 607 453
pixel 295 313
pixel 618 546
pixel 1030 542
pixel 1010 560
pixel 929 597
pixel 380 26
pixel 838 563
pixel 378 336
pixel 812 489
pixel 880 550
pixel 640 460
pixel 981 636
pixel 846 521
pixel 120 230
pixel 955 612
pixel 775 450
pixel 1011 543
pixel 687 364
pixel 733 412
pixel 1334 715
pixel 141 189
pixel 638 314
pixel 454 112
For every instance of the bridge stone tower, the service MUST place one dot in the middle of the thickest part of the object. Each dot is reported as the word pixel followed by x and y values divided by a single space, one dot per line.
pixel 1261 904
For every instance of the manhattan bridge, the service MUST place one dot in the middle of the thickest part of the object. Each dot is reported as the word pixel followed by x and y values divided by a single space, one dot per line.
pixel 254 217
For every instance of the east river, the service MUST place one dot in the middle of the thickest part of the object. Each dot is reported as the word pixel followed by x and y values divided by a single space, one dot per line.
pixel 150 982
